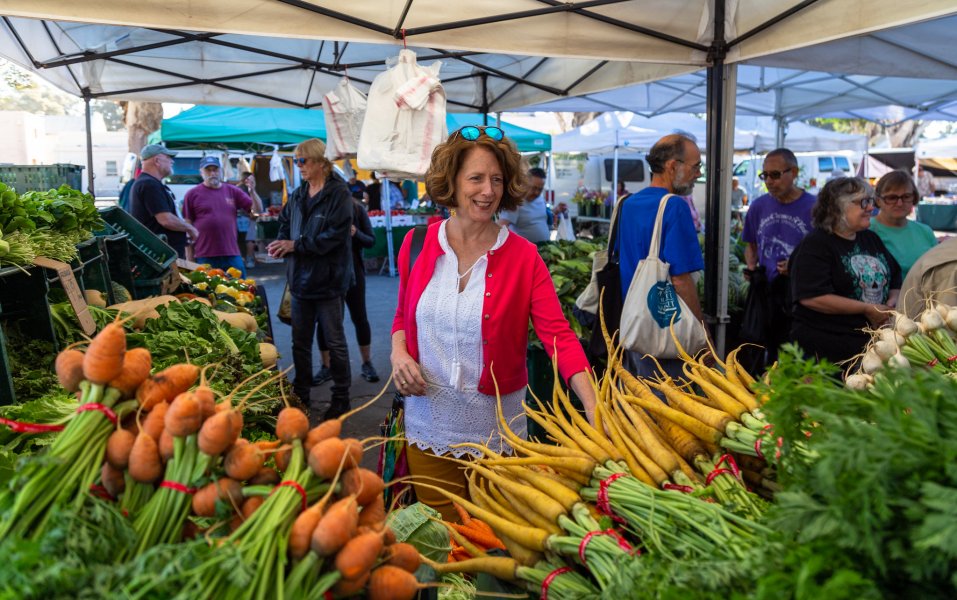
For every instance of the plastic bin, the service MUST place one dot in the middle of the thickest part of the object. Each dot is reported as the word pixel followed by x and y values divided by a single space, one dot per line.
pixel 96 273
pixel 152 261
pixel 40 178
pixel 23 304
pixel 116 253
pixel 940 217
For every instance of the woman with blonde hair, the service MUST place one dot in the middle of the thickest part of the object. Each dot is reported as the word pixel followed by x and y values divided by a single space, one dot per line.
pixel 460 332
pixel 315 236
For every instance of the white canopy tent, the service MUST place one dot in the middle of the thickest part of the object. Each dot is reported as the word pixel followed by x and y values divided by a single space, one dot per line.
pixel 628 131
pixel 590 46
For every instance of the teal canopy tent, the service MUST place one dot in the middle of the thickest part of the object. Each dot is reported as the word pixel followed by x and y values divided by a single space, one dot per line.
pixel 241 127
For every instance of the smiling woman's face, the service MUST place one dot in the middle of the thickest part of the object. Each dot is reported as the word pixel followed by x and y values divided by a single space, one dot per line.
pixel 479 185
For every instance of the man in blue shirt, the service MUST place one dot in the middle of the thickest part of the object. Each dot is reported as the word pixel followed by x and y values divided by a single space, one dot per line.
pixel 675 163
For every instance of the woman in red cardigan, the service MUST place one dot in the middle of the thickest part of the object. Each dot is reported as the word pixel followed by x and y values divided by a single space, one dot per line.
pixel 461 326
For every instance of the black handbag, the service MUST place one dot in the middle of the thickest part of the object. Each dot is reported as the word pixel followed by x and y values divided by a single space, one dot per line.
pixel 608 283
pixel 756 321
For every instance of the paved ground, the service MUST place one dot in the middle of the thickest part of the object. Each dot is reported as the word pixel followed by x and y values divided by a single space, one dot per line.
pixel 381 297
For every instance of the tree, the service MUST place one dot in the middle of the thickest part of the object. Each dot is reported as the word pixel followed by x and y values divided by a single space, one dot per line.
pixel 142 119
pixel 569 121
pixel 23 91
pixel 899 135
pixel 112 114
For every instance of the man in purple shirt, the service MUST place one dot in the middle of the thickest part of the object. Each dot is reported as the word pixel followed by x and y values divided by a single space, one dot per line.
pixel 211 207
pixel 775 223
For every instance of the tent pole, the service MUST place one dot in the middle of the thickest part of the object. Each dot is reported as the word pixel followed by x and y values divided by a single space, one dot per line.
pixel 89 143
pixel 386 197
pixel 722 80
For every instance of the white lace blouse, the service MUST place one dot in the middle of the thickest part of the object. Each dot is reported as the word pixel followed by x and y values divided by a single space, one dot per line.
pixel 450 354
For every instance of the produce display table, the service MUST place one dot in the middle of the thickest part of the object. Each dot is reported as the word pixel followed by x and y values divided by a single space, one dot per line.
pixel 940 217
pixel 381 248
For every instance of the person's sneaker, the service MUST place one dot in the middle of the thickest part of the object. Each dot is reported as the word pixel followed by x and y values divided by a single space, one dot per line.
pixel 368 372
pixel 322 375
pixel 250 263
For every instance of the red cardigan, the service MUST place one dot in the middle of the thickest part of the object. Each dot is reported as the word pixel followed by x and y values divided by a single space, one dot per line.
pixel 517 287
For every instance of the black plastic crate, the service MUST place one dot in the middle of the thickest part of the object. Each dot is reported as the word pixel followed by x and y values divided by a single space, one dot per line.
pixel 23 305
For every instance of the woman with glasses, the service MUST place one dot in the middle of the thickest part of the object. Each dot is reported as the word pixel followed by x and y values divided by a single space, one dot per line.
pixel 906 239
pixel 843 279
pixel 460 332
pixel 315 235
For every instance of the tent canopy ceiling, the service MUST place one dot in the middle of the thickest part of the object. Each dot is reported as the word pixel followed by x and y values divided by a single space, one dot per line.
pixel 236 127
pixel 497 54
pixel 782 92
pixel 634 132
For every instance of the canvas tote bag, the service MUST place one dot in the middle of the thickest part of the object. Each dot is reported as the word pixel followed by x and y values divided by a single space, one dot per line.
pixel 652 306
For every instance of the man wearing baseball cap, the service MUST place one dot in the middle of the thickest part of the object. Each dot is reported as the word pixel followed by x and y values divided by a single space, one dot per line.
pixel 153 204
pixel 212 206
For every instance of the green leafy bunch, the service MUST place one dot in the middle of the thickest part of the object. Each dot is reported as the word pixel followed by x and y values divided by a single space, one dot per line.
pixel 64 209
pixel 870 478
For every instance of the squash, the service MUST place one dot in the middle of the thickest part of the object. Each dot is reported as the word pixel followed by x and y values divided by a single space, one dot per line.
pixel 120 293
pixel 268 354
pixel 94 298
pixel 143 310
pixel 239 320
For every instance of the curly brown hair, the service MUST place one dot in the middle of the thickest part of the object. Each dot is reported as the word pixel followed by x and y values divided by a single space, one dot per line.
pixel 447 160
pixel 828 211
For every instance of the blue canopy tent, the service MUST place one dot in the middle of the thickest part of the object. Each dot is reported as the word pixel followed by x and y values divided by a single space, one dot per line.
pixel 241 127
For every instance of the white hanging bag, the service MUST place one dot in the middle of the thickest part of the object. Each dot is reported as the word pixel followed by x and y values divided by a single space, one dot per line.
pixel 344 108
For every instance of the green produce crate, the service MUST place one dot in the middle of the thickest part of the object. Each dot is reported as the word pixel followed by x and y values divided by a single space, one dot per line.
pixel 940 217
pixel 381 248
pixel 152 261
pixel 24 305
pixel 40 178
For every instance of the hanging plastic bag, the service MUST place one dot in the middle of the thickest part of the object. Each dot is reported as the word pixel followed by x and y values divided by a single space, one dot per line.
pixel 565 229
pixel 404 120
pixel 276 172
pixel 344 108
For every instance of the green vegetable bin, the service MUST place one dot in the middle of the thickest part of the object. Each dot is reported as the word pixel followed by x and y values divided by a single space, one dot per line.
pixel 40 178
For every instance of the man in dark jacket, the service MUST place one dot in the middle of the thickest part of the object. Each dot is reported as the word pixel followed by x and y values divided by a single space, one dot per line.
pixel 315 233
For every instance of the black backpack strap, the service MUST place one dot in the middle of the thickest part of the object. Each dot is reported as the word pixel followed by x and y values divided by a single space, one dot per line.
pixel 418 240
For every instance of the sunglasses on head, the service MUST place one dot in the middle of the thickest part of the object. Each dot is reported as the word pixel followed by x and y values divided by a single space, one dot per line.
pixel 473 132
pixel 772 175
pixel 300 161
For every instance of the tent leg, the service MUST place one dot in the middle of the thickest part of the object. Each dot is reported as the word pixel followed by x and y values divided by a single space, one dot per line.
pixel 386 198
pixel 722 83
pixel 89 144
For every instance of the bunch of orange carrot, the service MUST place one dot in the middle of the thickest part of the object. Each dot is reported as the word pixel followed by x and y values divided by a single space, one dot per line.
pixel 105 378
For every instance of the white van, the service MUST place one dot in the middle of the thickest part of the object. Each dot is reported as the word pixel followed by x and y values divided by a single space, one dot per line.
pixel 815 168
pixel 596 172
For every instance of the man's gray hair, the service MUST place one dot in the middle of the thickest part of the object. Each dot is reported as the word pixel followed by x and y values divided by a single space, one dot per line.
pixel 670 147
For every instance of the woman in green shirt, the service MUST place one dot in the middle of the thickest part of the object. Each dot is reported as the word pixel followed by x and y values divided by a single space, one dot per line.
pixel 906 239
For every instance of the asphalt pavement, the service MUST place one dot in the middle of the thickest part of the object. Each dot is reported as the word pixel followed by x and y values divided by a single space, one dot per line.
pixel 381 298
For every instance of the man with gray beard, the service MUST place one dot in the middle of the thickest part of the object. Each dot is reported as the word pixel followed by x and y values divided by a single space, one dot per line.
pixel 675 163
pixel 211 207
